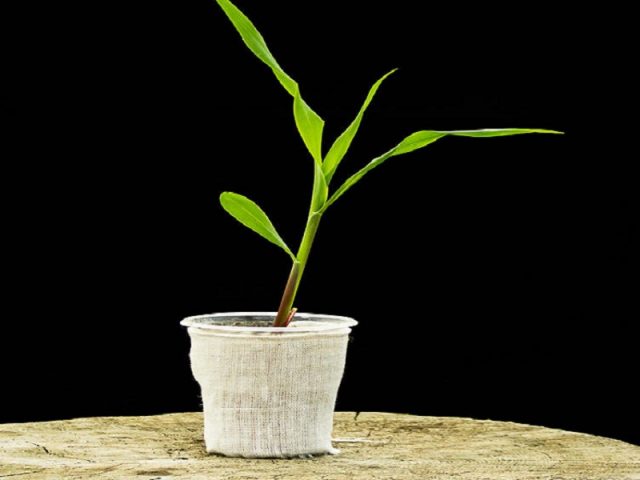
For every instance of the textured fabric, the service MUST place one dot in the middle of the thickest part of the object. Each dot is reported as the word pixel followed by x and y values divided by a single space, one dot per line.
pixel 268 395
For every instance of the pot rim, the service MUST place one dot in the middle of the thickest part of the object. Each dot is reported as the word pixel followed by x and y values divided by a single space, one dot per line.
pixel 302 323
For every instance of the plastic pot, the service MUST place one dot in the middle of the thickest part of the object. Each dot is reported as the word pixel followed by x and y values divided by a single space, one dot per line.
pixel 268 392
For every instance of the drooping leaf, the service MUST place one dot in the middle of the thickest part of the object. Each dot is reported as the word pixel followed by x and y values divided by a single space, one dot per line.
pixel 308 122
pixel 343 142
pixel 310 127
pixel 422 139
pixel 252 216
pixel 255 42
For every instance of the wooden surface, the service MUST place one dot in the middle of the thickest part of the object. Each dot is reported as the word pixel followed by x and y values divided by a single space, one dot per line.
pixel 374 446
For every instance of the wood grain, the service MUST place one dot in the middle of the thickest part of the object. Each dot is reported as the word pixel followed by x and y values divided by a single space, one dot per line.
pixel 374 446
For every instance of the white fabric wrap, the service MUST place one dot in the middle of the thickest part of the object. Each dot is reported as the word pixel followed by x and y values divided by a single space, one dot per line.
pixel 268 395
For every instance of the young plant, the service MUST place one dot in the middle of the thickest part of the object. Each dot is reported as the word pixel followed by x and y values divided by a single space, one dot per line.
pixel 310 126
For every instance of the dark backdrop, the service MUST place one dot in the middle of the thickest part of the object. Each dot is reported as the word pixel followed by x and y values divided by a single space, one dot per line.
pixel 492 278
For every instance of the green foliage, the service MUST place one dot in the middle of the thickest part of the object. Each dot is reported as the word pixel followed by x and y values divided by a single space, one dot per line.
pixel 252 216
pixel 308 122
pixel 419 140
pixel 254 41
pixel 310 127
pixel 343 142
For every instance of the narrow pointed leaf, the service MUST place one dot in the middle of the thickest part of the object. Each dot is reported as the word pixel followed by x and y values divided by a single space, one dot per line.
pixel 252 216
pixel 308 122
pixel 340 147
pixel 309 125
pixel 419 140
pixel 255 42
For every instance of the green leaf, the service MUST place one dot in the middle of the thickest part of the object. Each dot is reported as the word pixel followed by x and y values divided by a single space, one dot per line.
pixel 320 189
pixel 343 142
pixel 255 42
pixel 422 139
pixel 309 126
pixel 252 216
pixel 308 122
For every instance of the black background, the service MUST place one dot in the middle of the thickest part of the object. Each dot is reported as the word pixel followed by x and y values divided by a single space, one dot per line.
pixel 491 278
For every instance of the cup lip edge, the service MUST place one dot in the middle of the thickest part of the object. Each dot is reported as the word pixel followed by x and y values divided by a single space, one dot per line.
pixel 332 322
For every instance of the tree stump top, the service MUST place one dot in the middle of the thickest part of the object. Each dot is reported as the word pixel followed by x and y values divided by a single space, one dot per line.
pixel 374 446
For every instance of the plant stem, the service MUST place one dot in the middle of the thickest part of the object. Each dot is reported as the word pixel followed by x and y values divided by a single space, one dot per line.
pixel 287 297
pixel 291 289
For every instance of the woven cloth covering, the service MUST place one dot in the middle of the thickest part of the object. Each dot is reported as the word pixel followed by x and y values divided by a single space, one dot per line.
pixel 269 394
